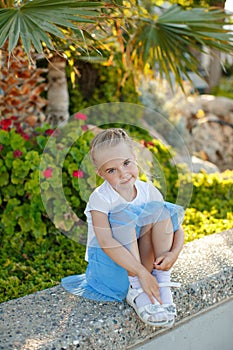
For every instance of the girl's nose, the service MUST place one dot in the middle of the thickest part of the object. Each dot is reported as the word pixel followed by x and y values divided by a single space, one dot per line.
pixel 122 172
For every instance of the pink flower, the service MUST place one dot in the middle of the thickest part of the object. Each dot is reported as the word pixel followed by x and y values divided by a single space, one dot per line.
pixel 25 136
pixel 17 153
pixel 80 116
pixel 48 173
pixel 84 127
pixel 150 143
pixel 5 124
pixel 49 131
pixel 78 173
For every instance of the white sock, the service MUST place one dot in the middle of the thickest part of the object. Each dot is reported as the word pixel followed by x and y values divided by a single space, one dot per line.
pixel 143 300
pixel 165 292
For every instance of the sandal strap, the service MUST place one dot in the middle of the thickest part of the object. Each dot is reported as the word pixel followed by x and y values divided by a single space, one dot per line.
pixel 135 292
pixel 171 309
pixel 170 284
pixel 152 309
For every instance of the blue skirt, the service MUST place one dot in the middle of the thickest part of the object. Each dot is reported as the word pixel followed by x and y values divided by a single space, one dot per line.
pixel 104 279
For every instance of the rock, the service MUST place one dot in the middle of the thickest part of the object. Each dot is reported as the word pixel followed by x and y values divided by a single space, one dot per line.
pixel 222 107
pixel 215 140
pixel 199 164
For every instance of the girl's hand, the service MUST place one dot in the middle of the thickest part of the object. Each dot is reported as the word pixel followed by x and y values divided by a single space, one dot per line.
pixel 165 261
pixel 150 286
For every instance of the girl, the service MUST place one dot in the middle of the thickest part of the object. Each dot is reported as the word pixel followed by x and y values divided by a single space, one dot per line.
pixel 131 242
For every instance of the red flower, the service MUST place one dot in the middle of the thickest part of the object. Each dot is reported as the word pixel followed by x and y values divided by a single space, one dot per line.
pixel 1 147
pixel 49 132
pixel 5 123
pixel 48 173
pixel 14 117
pixel 17 153
pixel 84 127
pixel 25 136
pixel 78 173
pixel 80 116
pixel 150 143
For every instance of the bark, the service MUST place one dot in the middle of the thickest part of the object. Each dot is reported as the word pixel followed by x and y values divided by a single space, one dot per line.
pixel 214 69
pixel 58 97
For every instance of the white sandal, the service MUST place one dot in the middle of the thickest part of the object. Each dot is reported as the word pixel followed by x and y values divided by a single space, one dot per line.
pixel 170 308
pixel 145 312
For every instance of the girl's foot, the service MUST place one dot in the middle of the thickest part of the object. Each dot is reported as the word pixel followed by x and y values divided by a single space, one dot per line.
pixel 152 314
pixel 164 280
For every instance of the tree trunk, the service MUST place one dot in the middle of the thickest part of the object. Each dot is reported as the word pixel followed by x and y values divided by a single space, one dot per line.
pixel 58 97
pixel 215 69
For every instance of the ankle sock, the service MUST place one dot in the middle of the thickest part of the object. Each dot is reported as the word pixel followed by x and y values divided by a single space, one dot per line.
pixel 143 300
pixel 165 292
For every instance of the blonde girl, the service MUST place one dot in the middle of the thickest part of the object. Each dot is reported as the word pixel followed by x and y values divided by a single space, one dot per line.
pixel 134 236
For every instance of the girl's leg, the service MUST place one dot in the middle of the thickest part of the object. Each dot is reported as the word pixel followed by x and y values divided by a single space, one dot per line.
pixel 154 241
pixel 139 300
pixel 162 237
pixel 142 300
pixel 145 246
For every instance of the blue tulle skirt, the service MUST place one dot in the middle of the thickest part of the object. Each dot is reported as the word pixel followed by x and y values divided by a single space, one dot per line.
pixel 105 280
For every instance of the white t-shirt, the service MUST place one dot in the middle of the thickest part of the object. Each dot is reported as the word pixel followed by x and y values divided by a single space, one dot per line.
pixel 104 199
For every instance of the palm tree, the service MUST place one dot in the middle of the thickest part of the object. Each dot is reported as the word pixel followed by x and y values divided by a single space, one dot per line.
pixel 146 38
pixel 42 27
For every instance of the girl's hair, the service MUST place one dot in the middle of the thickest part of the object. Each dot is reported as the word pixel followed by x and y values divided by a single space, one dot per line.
pixel 109 138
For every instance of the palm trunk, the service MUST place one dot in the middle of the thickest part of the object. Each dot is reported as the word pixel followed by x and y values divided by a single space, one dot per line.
pixel 58 96
pixel 215 69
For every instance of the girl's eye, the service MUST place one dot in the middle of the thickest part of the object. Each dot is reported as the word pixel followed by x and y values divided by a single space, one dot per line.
pixel 127 162
pixel 111 171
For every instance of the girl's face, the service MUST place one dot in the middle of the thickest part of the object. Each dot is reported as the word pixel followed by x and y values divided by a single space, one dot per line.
pixel 117 166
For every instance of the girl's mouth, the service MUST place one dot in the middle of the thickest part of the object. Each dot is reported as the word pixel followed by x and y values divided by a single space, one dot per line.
pixel 126 181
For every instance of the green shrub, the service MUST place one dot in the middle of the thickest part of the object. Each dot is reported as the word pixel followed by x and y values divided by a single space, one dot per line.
pixel 210 209
pixel 29 265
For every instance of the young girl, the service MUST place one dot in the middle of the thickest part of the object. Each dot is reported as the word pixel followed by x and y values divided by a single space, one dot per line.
pixel 131 241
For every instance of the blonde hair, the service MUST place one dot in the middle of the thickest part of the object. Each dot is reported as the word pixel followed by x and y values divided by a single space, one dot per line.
pixel 109 138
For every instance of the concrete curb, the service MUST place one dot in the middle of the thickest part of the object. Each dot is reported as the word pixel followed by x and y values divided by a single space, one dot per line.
pixel 55 320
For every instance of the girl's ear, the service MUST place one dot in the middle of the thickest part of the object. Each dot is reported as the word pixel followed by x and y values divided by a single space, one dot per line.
pixel 98 172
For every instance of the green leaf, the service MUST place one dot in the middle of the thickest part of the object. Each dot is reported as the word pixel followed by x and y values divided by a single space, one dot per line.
pixel 26 223
pixel 33 158
pixel 4 179
pixel 165 40
pixel 17 142
pixel 4 137
pixel 33 20
pixel 41 140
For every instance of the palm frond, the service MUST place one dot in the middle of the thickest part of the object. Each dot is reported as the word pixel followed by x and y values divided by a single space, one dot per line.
pixel 168 41
pixel 35 21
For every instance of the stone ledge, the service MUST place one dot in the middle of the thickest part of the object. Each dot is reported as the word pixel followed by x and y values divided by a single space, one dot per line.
pixel 55 320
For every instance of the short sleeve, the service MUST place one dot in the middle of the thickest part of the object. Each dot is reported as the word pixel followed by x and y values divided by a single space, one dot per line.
pixel 98 202
pixel 154 193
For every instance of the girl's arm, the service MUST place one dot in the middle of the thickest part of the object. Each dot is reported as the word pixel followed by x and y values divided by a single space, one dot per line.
pixel 167 260
pixel 129 260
